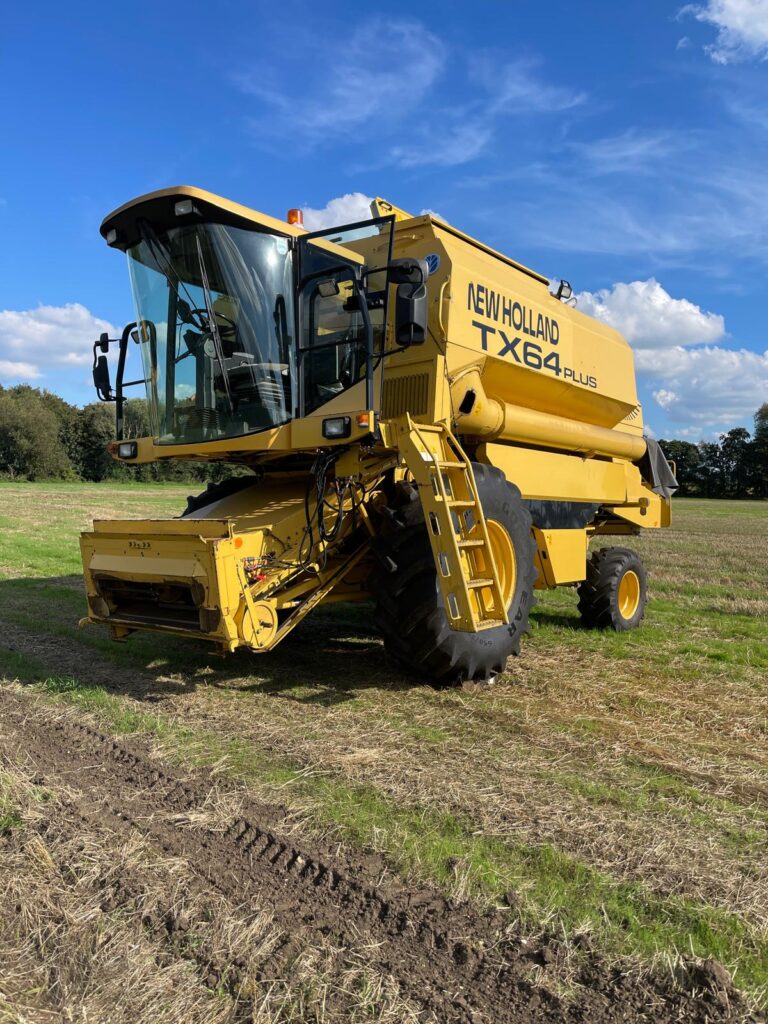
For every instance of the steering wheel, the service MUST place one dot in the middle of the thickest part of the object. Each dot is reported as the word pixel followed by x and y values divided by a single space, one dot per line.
pixel 199 319
pixel 353 358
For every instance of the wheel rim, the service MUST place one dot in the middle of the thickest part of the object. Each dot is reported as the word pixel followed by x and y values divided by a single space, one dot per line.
pixel 629 594
pixel 503 551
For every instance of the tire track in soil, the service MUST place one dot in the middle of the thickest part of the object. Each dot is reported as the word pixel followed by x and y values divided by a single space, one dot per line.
pixel 454 962
pixel 166 925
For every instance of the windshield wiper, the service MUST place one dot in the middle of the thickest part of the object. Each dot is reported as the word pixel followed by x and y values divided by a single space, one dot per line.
pixel 213 326
pixel 175 283
pixel 161 254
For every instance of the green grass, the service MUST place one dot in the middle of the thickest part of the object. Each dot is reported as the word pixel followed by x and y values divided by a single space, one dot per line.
pixel 41 541
pixel 10 813
pixel 667 795
pixel 9 819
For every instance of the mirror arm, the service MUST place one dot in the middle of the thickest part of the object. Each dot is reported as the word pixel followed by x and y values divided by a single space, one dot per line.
pixel 369 357
pixel 125 337
pixel 406 270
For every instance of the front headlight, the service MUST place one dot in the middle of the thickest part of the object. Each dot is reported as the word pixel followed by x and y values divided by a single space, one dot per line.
pixel 337 426
pixel 127 450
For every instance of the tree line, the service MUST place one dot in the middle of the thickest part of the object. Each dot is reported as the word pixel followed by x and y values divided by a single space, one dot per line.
pixel 43 437
pixel 734 466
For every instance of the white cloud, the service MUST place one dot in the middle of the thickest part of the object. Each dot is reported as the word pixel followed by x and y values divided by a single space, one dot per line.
pixel 456 136
pixel 448 146
pixel 697 383
pixel 648 316
pixel 697 200
pixel 747 110
pixel 742 28
pixel 382 78
pixel 13 373
pixel 429 212
pixel 35 341
pixel 706 387
pixel 515 89
pixel 665 398
pixel 344 209
pixel 379 72
pixel 347 209
pixel 632 148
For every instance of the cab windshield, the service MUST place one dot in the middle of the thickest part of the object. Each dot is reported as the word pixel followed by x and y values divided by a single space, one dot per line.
pixel 214 307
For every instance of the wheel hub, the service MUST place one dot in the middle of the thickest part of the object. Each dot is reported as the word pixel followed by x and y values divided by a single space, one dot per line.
pixel 629 594
pixel 503 551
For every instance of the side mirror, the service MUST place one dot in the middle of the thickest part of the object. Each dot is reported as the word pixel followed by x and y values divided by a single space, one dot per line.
pixel 101 380
pixel 407 271
pixel 411 314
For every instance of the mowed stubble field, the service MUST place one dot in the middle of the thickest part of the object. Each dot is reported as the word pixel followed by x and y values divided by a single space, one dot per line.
pixel 609 793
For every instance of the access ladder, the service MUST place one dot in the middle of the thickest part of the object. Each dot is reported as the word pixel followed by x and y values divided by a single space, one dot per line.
pixel 458 532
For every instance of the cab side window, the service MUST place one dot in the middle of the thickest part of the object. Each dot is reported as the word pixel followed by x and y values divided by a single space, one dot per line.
pixel 334 339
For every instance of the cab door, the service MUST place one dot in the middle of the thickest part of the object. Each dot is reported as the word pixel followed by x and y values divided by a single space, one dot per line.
pixel 342 312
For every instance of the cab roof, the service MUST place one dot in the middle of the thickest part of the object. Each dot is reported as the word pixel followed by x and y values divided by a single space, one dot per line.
pixel 160 208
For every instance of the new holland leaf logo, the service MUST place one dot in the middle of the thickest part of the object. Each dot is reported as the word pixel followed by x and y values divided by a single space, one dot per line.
pixel 433 262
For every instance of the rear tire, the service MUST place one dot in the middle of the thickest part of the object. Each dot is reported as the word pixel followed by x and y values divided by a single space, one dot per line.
pixel 615 592
pixel 410 607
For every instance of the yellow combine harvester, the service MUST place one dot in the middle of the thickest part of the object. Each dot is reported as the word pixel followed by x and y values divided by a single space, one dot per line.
pixel 423 423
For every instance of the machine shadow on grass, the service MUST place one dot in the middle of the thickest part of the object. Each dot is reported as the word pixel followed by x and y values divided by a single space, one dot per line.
pixel 327 660
pixel 563 620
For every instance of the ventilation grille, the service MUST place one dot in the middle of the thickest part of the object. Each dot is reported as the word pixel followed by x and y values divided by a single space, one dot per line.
pixel 405 394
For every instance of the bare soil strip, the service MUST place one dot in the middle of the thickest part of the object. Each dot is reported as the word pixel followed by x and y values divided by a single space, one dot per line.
pixel 450 961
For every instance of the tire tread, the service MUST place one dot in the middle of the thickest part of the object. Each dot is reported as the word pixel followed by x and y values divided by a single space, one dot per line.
pixel 409 605
pixel 597 593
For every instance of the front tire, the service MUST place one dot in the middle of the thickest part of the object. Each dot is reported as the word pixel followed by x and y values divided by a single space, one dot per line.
pixel 410 607
pixel 615 592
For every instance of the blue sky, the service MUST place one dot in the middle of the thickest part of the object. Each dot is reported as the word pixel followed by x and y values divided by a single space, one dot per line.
pixel 621 146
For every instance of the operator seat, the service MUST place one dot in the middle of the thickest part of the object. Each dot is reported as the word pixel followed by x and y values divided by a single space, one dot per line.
pixel 260 390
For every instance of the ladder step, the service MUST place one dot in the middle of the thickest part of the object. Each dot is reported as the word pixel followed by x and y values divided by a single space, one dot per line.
pixel 487 623
pixel 460 504
pixel 451 465
pixel 472 543
pixel 479 583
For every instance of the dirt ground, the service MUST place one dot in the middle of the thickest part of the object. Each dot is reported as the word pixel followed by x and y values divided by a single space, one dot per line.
pixel 123 874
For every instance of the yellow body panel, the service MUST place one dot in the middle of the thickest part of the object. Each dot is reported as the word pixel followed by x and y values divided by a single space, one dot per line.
pixel 561 556
pixel 556 476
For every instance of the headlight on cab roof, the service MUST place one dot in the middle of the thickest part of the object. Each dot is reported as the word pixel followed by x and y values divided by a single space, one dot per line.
pixel 127 450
